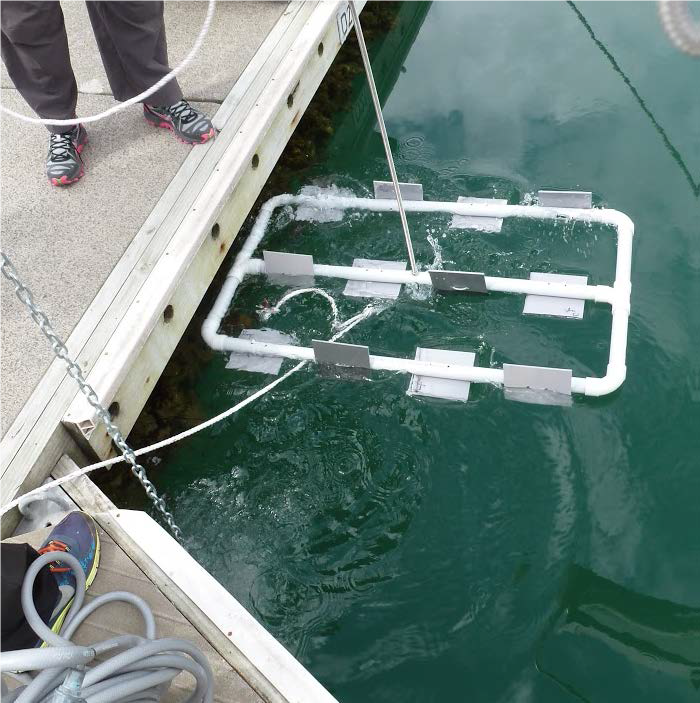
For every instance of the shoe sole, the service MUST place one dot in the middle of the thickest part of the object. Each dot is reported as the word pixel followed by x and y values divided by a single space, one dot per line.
pixel 58 624
pixel 154 121
pixel 63 180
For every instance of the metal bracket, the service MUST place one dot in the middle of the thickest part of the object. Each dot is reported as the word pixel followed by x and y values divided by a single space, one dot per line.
pixel 446 388
pixel 565 198
pixel 551 305
pixel 482 224
pixel 384 190
pixel 537 384
pixel 458 281
pixel 372 289
pixel 255 362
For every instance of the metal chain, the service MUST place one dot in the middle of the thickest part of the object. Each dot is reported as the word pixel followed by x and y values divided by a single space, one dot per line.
pixel 75 372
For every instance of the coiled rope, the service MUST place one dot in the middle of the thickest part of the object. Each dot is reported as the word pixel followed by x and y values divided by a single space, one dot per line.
pixel 137 668
pixel 679 25
pixel 137 98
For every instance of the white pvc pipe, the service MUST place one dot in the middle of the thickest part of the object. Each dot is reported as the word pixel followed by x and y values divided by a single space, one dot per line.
pixel 617 296
pixel 454 372
pixel 598 294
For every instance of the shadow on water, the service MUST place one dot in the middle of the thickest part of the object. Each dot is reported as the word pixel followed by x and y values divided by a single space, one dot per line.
pixel 695 187
pixel 655 636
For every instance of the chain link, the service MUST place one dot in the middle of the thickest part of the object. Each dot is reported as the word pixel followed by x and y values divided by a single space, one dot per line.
pixel 75 372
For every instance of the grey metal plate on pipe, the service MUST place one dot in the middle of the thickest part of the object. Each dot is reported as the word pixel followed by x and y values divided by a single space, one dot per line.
pixel 458 281
pixel 551 305
pixel 482 224
pixel 384 190
pixel 338 360
pixel 371 289
pixel 254 362
pixel 565 198
pixel 289 269
pixel 340 354
pixel 432 387
pixel 537 384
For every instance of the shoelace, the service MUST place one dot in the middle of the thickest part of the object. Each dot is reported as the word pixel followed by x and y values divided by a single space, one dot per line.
pixel 183 111
pixel 55 546
pixel 61 145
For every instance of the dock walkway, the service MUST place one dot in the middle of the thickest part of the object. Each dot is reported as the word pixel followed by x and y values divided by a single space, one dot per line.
pixel 65 242
pixel 121 260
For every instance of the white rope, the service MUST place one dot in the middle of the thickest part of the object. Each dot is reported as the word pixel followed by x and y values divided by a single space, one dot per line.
pixel 344 327
pixel 137 98
pixel 267 313
pixel 680 28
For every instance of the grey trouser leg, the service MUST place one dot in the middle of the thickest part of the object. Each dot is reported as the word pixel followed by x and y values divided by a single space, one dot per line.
pixel 35 53
pixel 131 39
pixel 130 36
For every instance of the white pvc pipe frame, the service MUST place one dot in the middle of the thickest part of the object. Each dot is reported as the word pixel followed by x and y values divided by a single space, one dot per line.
pixel 617 296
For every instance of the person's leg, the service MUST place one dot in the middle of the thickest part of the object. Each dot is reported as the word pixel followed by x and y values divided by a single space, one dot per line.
pixel 133 47
pixel 35 53
pixel 16 559
pixel 131 37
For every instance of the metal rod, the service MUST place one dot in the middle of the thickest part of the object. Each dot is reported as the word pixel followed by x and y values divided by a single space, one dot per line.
pixel 385 137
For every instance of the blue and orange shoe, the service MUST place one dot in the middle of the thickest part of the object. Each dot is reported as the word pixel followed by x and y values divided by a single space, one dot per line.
pixel 76 534
pixel 64 164
pixel 187 123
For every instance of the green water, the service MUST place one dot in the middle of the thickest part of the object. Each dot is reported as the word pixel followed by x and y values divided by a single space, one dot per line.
pixel 409 549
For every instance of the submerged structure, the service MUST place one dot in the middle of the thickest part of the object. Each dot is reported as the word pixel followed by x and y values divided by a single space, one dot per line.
pixel 546 294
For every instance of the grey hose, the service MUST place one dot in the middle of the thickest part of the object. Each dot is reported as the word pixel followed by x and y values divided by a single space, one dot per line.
pixel 134 668
pixel 679 25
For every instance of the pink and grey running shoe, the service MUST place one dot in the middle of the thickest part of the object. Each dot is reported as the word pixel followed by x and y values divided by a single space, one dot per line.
pixel 187 123
pixel 64 164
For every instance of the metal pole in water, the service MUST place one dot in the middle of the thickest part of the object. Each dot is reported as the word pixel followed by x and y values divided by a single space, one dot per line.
pixel 385 137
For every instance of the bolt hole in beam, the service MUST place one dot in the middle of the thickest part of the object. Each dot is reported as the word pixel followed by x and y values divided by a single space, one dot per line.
pixel 320 49
pixel 215 231
pixel 617 295
pixel 114 409
pixel 255 161
pixel 290 101
pixel 168 313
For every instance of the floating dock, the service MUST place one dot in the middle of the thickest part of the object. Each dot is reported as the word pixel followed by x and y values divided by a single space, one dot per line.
pixel 120 262
pixel 146 247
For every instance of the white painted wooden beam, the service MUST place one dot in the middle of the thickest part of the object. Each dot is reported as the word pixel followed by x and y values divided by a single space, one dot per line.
pixel 145 338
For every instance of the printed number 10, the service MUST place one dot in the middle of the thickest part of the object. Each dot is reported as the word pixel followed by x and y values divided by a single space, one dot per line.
pixel 345 22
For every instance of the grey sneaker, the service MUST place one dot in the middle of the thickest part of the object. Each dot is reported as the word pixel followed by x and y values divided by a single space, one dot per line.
pixel 187 123
pixel 64 164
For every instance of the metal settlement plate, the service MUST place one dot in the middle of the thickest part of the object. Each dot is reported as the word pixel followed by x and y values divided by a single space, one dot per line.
pixel 289 269
pixel 565 198
pixel 341 354
pixel 339 360
pixel 482 224
pixel 537 384
pixel 371 289
pixel 384 190
pixel 254 362
pixel 432 387
pixel 458 281
pixel 551 305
